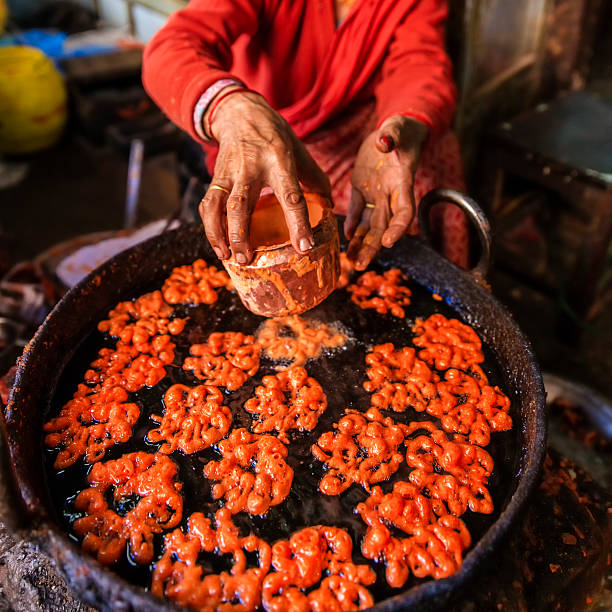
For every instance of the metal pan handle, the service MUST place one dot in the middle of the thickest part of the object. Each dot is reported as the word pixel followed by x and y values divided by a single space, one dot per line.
pixel 475 214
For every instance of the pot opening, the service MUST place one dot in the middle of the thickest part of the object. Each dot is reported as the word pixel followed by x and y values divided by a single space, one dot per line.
pixel 268 226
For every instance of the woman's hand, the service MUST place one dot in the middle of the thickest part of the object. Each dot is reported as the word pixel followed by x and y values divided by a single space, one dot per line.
pixel 382 203
pixel 257 148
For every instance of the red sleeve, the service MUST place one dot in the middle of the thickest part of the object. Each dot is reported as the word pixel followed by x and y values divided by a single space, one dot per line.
pixel 193 51
pixel 417 76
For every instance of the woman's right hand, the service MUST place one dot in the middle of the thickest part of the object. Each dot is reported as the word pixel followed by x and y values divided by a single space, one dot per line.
pixel 257 148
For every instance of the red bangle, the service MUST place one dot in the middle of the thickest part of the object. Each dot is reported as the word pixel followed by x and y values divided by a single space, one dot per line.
pixel 217 102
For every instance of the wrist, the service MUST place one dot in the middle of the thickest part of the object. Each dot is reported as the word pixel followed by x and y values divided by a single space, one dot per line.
pixel 220 104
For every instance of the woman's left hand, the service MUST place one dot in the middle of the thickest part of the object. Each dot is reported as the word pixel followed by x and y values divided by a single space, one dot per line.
pixel 382 203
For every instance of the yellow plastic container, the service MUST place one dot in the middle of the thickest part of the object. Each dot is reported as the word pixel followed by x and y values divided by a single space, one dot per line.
pixel 33 101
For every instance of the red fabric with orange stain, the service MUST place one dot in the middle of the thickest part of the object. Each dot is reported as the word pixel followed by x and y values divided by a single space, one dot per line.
pixel 228 359
pixel 178 576
pixel 363 449
pixel 288 400
pixel 303 560
pixel 194 283
pixel 297 339
pixel 382 292
pixel 92 421
pixel 194 418
pixel 253 473
pixel 159 507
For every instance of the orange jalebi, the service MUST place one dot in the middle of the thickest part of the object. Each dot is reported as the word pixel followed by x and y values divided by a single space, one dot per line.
pixel 288 400
pixel 194 418
pixel 303 560
pixel 382 292
pixel 434 549
pixel 194 283
pixel 137 321
pixel 252 474
pixel 159 507
pixel 447 343
pixel 363 449
pixel 91 422
pixel 398 379
pixel 228 360
pixel 178 576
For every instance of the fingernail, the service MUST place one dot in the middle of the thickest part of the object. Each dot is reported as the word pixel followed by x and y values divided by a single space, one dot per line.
pixel 305 245
pixel 241 258
pixel 219 253
pixel 387 142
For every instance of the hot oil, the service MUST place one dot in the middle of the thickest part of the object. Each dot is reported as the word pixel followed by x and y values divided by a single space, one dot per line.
pixel 341 373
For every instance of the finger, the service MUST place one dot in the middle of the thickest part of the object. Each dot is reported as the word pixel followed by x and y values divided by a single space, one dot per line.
pixel 352 251
pixel 212 213
pixel 240 205
pixel 285 185
pixel 355 210
pixel 309 173
pixel 403 207
pixel 372 241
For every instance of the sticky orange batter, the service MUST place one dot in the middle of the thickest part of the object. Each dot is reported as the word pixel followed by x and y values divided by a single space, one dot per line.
pixel 194 418
pixel 159 507
pixel 297 339
pixel 196 283
pixel 252 474
pixel 228 359
pixel 384 293
pixel 178 576
pixel 362 449
pixel 288 400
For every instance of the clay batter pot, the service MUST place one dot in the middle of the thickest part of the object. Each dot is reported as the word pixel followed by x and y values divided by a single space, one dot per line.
pixel 280 281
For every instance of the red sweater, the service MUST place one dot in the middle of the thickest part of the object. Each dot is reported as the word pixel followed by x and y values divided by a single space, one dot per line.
pixel 291 52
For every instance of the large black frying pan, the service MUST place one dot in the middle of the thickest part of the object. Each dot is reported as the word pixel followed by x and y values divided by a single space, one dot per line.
pixel 49 356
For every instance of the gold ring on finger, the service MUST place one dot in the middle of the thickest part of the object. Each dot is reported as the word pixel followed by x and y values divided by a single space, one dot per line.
pixel 219 188
pixel 370 205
